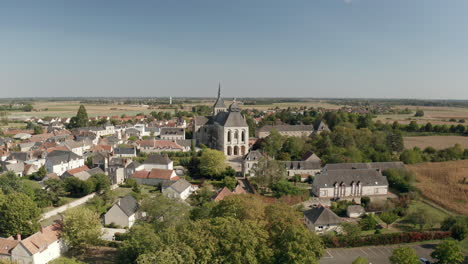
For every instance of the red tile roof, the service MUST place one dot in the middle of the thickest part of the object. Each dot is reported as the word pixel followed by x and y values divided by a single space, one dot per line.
pixel 225 192
pixel 79 169
pixel 160 144
pixel 155 174
pixel 6 245
pixel 42 239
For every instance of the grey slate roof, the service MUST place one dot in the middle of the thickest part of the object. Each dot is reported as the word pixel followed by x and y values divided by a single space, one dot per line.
pixel 172 131
pixel 158 159
pixel 59 156
pixel 369 165
pixel 322 216
pixel 180 185
pixel 230 119
pixel 322 127
pixel 128 204
pixel 367 177
pixel 22 156
pixel 253 155
pixel 302 165
pixel 286 128
pixel 200 120
pixel 94 171
pixel 125 151
pixel 185 142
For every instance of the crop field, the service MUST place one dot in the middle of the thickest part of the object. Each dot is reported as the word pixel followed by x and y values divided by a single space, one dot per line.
pixel 69 108
pixel 444 183
pixel 434 115
pixel 437 142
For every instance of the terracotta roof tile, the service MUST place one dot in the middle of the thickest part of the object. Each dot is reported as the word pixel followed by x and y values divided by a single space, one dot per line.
pixel 77 170
pixel 42 239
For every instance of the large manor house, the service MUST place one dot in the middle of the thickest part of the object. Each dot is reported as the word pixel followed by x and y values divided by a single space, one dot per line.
pixel 226 130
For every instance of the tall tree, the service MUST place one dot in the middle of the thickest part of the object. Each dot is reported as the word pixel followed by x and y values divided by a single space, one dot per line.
pixel 212 163
pixel 19 214
pixel 269 172
pixel 448 252
pixel 81 229
pixel 404 255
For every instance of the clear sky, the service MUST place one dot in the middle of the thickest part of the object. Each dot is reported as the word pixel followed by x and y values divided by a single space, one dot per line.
pixel 290 48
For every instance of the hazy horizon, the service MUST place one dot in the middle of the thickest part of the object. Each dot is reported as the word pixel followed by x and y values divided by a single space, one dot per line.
pixel 265 48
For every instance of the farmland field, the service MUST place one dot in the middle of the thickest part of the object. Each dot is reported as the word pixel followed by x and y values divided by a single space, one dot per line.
pixel 432 114
pixel 437 142
pixel 442 183
pixel 69 108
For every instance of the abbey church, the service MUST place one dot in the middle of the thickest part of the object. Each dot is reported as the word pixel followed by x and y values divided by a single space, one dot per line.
pixel 226 130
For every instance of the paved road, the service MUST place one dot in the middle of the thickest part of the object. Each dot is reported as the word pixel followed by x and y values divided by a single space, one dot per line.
pixel 375 255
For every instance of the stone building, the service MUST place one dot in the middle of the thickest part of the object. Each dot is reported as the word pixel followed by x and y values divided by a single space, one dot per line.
pixel 226 130
pixel 286 130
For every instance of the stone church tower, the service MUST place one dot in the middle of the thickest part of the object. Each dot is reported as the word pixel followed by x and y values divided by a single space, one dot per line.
pixel 226 130
pixel 219 105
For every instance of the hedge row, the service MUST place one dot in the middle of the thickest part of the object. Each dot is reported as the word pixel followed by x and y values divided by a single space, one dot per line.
pixel 383 239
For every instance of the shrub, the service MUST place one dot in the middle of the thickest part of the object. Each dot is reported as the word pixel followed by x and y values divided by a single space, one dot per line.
pixel 383 239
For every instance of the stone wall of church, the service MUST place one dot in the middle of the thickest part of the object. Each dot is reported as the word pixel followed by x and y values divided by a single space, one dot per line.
pixel 236 141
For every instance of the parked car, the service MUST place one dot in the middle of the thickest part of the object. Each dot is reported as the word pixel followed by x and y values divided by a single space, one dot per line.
pixel 424 260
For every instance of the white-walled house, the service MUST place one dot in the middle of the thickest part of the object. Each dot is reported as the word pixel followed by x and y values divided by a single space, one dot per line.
pixel 123 213
pixel 180 189
pixel 322 219
pixel 39 248
pixel 59 161
pixel 158 161
pixel 349 183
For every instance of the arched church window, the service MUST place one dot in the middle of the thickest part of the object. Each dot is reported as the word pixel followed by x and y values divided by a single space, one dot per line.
pixel 229 136
pixel 243 136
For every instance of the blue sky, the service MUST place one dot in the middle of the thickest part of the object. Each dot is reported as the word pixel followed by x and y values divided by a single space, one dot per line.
pixel 292 48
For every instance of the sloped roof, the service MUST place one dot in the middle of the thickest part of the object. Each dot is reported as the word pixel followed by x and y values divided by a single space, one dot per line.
pixel 366 177
pixel 77 170
pixel 253 155
pixel 158 159
pixel 285 128
pixel 172 131
pixel 128 204
pixel 180 185
pixel 310 156
pixel 42 239
pixel 230 119
pixel 322 216
pixel 59 156
pixel 6 245
pixel 369 165
pixel 128 151
pixel 225 192
pixel 161 174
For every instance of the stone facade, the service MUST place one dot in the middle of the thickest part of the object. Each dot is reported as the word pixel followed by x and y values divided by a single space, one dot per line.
pixel 225 131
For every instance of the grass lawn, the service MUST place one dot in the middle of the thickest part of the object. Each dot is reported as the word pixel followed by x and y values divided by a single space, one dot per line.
pixel 436 215
pixel 121 191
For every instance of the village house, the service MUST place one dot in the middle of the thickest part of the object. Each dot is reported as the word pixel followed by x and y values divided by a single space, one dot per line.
pixel 309 165
pixel 123 213
pixel 155 177
pixel 321 219
pixel 355 211
pixel 370 165
pixel 125 152
pixel 250 162
pixel 59 161
pixel 39 248
pixel 158 161
pixel 180 189
pixel 172 133
pixel 286 130
pixel 156 146
pixel 120 169
pixel 349 183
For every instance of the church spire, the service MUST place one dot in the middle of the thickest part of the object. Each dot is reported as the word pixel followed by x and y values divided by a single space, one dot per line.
pixel 219 89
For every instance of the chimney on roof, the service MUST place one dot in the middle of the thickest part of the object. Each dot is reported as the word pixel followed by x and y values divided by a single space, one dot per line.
pixel 42 229
pixel 18 237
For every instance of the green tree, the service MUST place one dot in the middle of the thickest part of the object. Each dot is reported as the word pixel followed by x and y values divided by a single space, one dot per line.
pixel 419 113
pixel 351 229
pixel 269 172
pixel 404 255
pixel 448 252
pixel 388 217
pixel 82 117
pixel 55 189
pixel 40 174
pixel 273 143
pixel 360 260
pixel 81 229
pixel 212 163
pixel 368 222
pixel 230 182
pixel 19 214
pixel 38 130
pixel 411 156
pixel 164 212
pixel 420 218
pixel 283 187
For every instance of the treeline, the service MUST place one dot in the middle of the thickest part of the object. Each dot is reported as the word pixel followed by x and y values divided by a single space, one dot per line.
pixel 430 154
pixel 394 102
pixel 238 229
pixel 26 107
